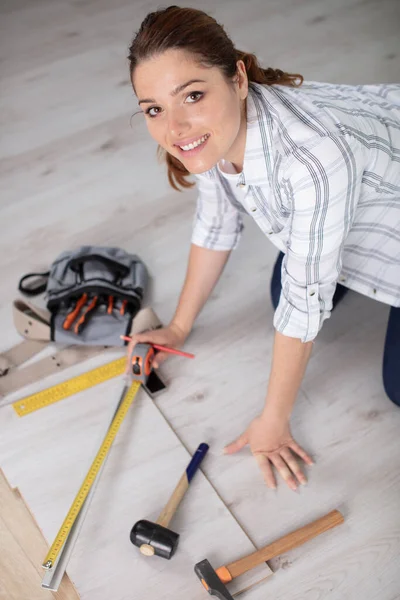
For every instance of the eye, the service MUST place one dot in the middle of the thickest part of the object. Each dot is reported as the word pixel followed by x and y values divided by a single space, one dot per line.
pixel 194 97
pixel 153 111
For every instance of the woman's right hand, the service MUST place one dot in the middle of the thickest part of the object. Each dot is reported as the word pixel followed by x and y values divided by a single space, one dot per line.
pixel 272 445
pixel 172 336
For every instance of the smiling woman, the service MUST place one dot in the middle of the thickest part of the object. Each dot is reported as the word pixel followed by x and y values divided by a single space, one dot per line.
pixel 193 82
pixel 316 165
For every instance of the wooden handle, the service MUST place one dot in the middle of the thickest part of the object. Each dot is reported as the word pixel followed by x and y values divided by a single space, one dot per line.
pixel 183 485
pixel 173 503
pixel 285 543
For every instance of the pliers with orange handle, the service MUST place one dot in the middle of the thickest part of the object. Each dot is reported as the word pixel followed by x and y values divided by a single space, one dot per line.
pixel 81 323
pixel 75 312
pixel 111 303
pixel 72 315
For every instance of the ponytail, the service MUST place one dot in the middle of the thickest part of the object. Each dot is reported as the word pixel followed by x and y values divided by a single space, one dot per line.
pixel 268 76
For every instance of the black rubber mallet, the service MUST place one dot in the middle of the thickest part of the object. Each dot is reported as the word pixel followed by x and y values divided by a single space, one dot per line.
pixel 214 580
pixel 155 538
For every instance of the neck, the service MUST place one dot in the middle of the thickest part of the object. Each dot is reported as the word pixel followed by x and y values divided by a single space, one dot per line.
pixel 236 152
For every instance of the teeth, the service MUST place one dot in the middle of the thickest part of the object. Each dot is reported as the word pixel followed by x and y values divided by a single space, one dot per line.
pixel 195 144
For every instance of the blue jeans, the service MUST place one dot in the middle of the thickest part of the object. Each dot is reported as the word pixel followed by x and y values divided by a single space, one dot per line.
pixel 391 354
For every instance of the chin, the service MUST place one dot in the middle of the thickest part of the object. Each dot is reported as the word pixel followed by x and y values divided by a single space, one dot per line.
pixel 198 167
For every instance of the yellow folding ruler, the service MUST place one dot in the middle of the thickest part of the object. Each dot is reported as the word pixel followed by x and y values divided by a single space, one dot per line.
pixel 65 529
pixel 67 388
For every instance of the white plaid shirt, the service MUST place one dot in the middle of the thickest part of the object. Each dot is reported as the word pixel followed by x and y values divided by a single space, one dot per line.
pixel 321 178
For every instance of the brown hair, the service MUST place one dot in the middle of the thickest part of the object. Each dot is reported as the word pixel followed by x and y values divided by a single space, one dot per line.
pixel 198 33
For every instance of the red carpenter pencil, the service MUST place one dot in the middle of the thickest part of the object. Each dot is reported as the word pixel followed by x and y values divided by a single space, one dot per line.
pixel 163 348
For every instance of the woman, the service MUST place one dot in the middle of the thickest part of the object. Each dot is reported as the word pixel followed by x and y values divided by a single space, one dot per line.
pixel 318 168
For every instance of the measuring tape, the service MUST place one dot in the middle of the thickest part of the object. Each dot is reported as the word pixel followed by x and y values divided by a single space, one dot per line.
pixel 91 475
pixel 63 390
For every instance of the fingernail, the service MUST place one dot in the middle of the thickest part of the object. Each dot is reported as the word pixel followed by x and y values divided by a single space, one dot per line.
pixel 303 481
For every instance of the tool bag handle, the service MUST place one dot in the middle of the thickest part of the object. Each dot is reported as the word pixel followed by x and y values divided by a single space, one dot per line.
pixel 38 286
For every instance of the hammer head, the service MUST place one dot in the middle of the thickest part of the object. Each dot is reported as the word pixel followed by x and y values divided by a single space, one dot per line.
pixel 162 540
pixel 211 581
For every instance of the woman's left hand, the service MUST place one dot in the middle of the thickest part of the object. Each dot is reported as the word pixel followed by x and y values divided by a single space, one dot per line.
pixel 271 443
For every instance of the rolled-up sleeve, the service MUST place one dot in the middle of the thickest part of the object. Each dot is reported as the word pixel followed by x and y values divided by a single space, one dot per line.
pixel 323 186
pixel 218 223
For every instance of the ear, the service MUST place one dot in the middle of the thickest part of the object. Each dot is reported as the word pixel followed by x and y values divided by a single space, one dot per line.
pixel 242 80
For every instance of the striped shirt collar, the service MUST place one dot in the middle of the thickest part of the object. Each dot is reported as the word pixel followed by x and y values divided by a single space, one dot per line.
pixel 257 156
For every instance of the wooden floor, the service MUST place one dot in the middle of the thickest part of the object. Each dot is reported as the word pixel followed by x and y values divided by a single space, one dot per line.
pixel 75 170
pixel 22 548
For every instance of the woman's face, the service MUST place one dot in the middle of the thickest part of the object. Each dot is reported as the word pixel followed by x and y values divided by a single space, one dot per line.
pixel 191 110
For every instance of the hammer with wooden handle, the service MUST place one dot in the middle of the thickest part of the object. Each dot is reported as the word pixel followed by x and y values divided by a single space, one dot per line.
pixel 155 538
pixel 214 580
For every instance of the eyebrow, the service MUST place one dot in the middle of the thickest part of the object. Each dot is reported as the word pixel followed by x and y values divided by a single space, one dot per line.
pixel 176 91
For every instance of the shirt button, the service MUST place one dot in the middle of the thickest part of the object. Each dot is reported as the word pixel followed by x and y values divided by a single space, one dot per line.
pixel 253 209
pixel 270 232
pixel 342 278
pixel 312 293
pixel 241 185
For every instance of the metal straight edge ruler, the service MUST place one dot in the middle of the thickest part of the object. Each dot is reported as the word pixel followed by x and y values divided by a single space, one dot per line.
pixel 67 388
pixel 53 577
pixel 61 540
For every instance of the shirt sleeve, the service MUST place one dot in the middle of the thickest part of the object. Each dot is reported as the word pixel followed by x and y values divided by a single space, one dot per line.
pixel 322 184
pixel 218 223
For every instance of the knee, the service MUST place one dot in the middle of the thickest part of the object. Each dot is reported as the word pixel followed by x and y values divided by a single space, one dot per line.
pixel 392 387
pixel 391 357
pixel 276 284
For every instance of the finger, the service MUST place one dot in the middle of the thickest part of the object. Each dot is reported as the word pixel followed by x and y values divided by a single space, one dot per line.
pixel 266 470
pixel 131 339
pixel 299 450
pixel 143 338
pixel 134 340
pixel 283 470
pixel 237 445
pixel 148 337
pixel 159 358
pixel 294 466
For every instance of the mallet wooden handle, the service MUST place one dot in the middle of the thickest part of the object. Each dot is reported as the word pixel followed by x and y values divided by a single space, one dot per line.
pixel 182 486
pixel 173 503
pixel 285 543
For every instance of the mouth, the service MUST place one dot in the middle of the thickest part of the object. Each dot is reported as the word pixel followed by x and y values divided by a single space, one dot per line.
pixel 194 147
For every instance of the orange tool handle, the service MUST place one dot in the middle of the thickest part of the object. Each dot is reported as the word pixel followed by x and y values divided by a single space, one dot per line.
pixel 110 304
pixel 283 544
pixel 83 318
pixel 123 307
pixel 163 348
pixel 71 316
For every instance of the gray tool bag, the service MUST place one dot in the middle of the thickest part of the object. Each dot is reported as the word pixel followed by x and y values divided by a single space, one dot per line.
pixel 92 293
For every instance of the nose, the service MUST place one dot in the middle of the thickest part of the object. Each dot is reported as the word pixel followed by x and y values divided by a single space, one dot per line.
pixel 178 124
